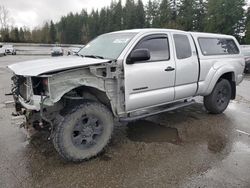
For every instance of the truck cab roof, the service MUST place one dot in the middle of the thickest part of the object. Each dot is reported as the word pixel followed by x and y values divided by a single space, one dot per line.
pixel 146 30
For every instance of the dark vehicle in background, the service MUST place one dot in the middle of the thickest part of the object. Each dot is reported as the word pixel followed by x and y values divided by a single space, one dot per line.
pixel 246 53
pixel 9 49
pixel 57 51
pixel 73 50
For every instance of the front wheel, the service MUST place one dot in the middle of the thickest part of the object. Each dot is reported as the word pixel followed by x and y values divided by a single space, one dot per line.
pixel 84 132
pixel 219 99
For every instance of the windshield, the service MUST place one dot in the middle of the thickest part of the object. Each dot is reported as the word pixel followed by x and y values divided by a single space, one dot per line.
pixel 108 46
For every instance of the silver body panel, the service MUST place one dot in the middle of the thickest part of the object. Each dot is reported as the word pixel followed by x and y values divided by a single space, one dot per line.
pixel 144 85
pixel 45 66
pixel 188 80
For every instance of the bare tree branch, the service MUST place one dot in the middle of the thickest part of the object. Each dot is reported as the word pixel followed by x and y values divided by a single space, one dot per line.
pixel 5 19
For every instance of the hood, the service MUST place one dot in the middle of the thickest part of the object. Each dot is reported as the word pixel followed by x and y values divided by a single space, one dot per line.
pixel 44 66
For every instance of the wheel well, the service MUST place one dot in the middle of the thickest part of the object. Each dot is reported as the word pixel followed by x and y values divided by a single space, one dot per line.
pixel 100 95
pixel 92 93
pixel 231 78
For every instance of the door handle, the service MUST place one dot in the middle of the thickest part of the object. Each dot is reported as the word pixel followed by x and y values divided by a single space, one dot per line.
pixel 169 69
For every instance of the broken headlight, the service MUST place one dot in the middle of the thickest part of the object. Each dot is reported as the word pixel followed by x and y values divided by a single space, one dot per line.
pixel 40 85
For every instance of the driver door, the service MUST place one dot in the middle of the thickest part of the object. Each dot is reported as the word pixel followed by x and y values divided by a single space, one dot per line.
pixel 150 83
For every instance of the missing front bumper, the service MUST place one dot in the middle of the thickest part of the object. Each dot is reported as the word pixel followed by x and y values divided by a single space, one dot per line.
pixel 19 120
pixel 9 104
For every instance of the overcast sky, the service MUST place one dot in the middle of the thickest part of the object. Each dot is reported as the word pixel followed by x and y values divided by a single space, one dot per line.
pixel 32 13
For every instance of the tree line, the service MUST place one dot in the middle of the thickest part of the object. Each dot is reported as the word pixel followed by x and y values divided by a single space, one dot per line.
pixel 216 16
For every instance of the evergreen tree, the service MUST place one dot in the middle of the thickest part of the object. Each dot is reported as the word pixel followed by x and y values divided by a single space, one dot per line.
pixel 247 23
pixel 186 14
pixel 62 30
pixel 140 15
pixel 200 14
pixel 52 32
pixel 129 14
pixel 94 23
pixel 219 16
pixel 5 35
pixel 84 32
pixel 152 11
pixel 116 16
pixel 165 13
pixel 224 16
pixel 174 13
pixel 14 35
pixel 103 21
pixel 45 33
pixel 21 35
pixel 27 35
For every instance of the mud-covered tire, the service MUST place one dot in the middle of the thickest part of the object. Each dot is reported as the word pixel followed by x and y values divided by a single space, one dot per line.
pixel 90 120
pixel 219 99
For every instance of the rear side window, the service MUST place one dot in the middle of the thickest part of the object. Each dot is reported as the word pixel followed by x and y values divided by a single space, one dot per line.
pixel 158 47
pixel 218 46
pixel 182 46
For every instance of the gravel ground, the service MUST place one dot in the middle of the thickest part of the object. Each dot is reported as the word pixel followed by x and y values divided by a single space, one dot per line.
pixel 183 148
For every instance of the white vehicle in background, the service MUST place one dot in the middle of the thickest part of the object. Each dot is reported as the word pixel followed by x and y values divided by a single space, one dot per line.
pixel 73 50
pixel 10 50
pixel 2 50
pixel 246 52
pixel 124 76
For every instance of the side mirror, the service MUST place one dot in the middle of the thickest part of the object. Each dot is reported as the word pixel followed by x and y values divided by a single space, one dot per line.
pixel 138 55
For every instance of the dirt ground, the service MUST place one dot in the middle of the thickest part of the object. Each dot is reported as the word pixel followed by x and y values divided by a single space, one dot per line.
pixel 183 148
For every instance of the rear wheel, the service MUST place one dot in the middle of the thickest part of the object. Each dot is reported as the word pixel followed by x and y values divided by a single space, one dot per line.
pixel 84 132
pixel 219 99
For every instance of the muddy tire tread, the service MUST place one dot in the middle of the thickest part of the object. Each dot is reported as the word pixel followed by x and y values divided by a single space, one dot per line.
pixel 58 129
pixel 209 100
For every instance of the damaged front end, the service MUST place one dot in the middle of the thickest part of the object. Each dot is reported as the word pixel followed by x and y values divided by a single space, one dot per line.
pixel 40 101
pixel 30 94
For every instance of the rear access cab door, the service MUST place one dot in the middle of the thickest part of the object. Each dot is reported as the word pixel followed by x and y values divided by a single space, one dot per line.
pixel 187 65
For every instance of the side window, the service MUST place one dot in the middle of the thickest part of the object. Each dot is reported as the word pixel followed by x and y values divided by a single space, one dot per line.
pixel 182 46
pixel 158 47
pixel 218 46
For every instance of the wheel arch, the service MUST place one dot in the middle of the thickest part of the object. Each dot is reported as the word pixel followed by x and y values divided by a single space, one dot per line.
pixel 227 73
pixel 92 93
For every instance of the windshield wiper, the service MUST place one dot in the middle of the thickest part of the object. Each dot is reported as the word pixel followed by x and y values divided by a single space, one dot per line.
pixel 93 56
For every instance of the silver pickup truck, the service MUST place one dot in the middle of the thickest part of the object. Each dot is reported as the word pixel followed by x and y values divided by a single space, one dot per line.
pixel 123 76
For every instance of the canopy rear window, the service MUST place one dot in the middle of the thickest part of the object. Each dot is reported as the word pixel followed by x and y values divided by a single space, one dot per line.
pixel 218 46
